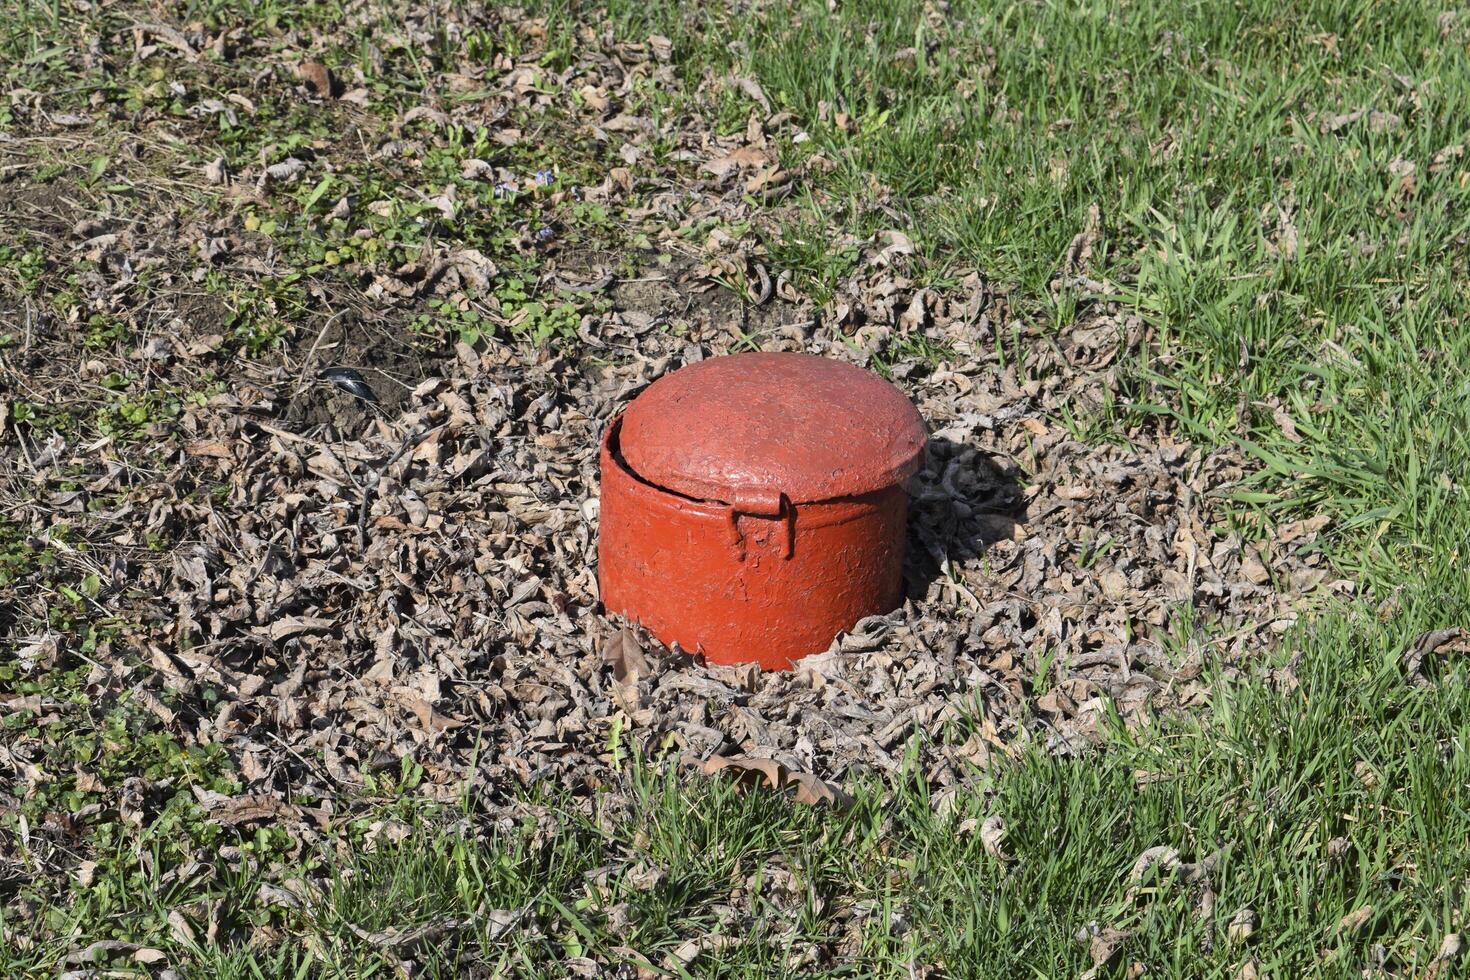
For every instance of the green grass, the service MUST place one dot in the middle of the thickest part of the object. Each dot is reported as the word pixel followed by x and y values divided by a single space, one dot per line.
pixel 1344 789
pixel 1307 298
pixel 1287 271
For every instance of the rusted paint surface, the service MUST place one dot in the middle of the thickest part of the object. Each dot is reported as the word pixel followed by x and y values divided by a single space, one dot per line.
pixel 806 426
pixel 773 520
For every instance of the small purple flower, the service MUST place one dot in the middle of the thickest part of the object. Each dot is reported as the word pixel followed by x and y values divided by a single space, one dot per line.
pixel 545 178
pixel 503 189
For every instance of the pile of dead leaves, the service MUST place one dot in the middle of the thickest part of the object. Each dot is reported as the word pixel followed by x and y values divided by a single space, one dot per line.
pixel 426 585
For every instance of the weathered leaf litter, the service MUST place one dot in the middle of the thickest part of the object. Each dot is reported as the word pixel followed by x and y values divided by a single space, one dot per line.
pixel 1046 577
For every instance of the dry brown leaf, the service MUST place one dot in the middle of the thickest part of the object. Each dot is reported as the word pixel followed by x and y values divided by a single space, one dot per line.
pixel 992 837
pixel 1355 919
pixel 624 654
pixel 689 950
pixel 208 447
pixel 401 940
pixel 893 243
pixel 86 782
pixel 429 720
pixel 170 36
pixel 1242 925
pixel 743 158
pixel 1255 572
pixel 1406 173
pixel 755 772
pixel 1104 947
pixel 1434 644
pixel 249 809
pixel 1378 122
pixel 1450 949
pixel 102 948
pixel 287 169
pixel 1295 530
pixel 767 180
pixel 810 791
pixel 474 169
pixel 318 78
pixel 289 626
pixel 180 929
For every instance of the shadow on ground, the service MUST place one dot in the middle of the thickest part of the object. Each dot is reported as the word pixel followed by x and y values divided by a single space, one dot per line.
pixel 963 501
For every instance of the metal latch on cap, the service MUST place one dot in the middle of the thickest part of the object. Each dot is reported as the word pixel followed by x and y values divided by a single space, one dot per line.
pixel 763 503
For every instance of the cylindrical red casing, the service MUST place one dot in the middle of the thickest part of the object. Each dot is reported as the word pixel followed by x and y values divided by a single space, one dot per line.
pixel 753 505
pixel 720 583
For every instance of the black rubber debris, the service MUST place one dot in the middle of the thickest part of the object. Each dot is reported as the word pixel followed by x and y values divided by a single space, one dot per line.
pixel 349 381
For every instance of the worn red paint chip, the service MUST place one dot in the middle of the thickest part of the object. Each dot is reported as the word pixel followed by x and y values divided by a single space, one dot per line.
pixel 753 507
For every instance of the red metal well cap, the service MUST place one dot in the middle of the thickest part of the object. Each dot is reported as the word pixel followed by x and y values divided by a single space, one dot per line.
pixel 763 424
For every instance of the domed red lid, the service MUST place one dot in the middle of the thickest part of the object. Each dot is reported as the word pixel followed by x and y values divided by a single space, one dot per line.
pixel 762 424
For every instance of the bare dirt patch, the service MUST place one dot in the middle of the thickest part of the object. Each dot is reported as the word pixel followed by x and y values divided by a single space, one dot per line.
pixel 390 361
